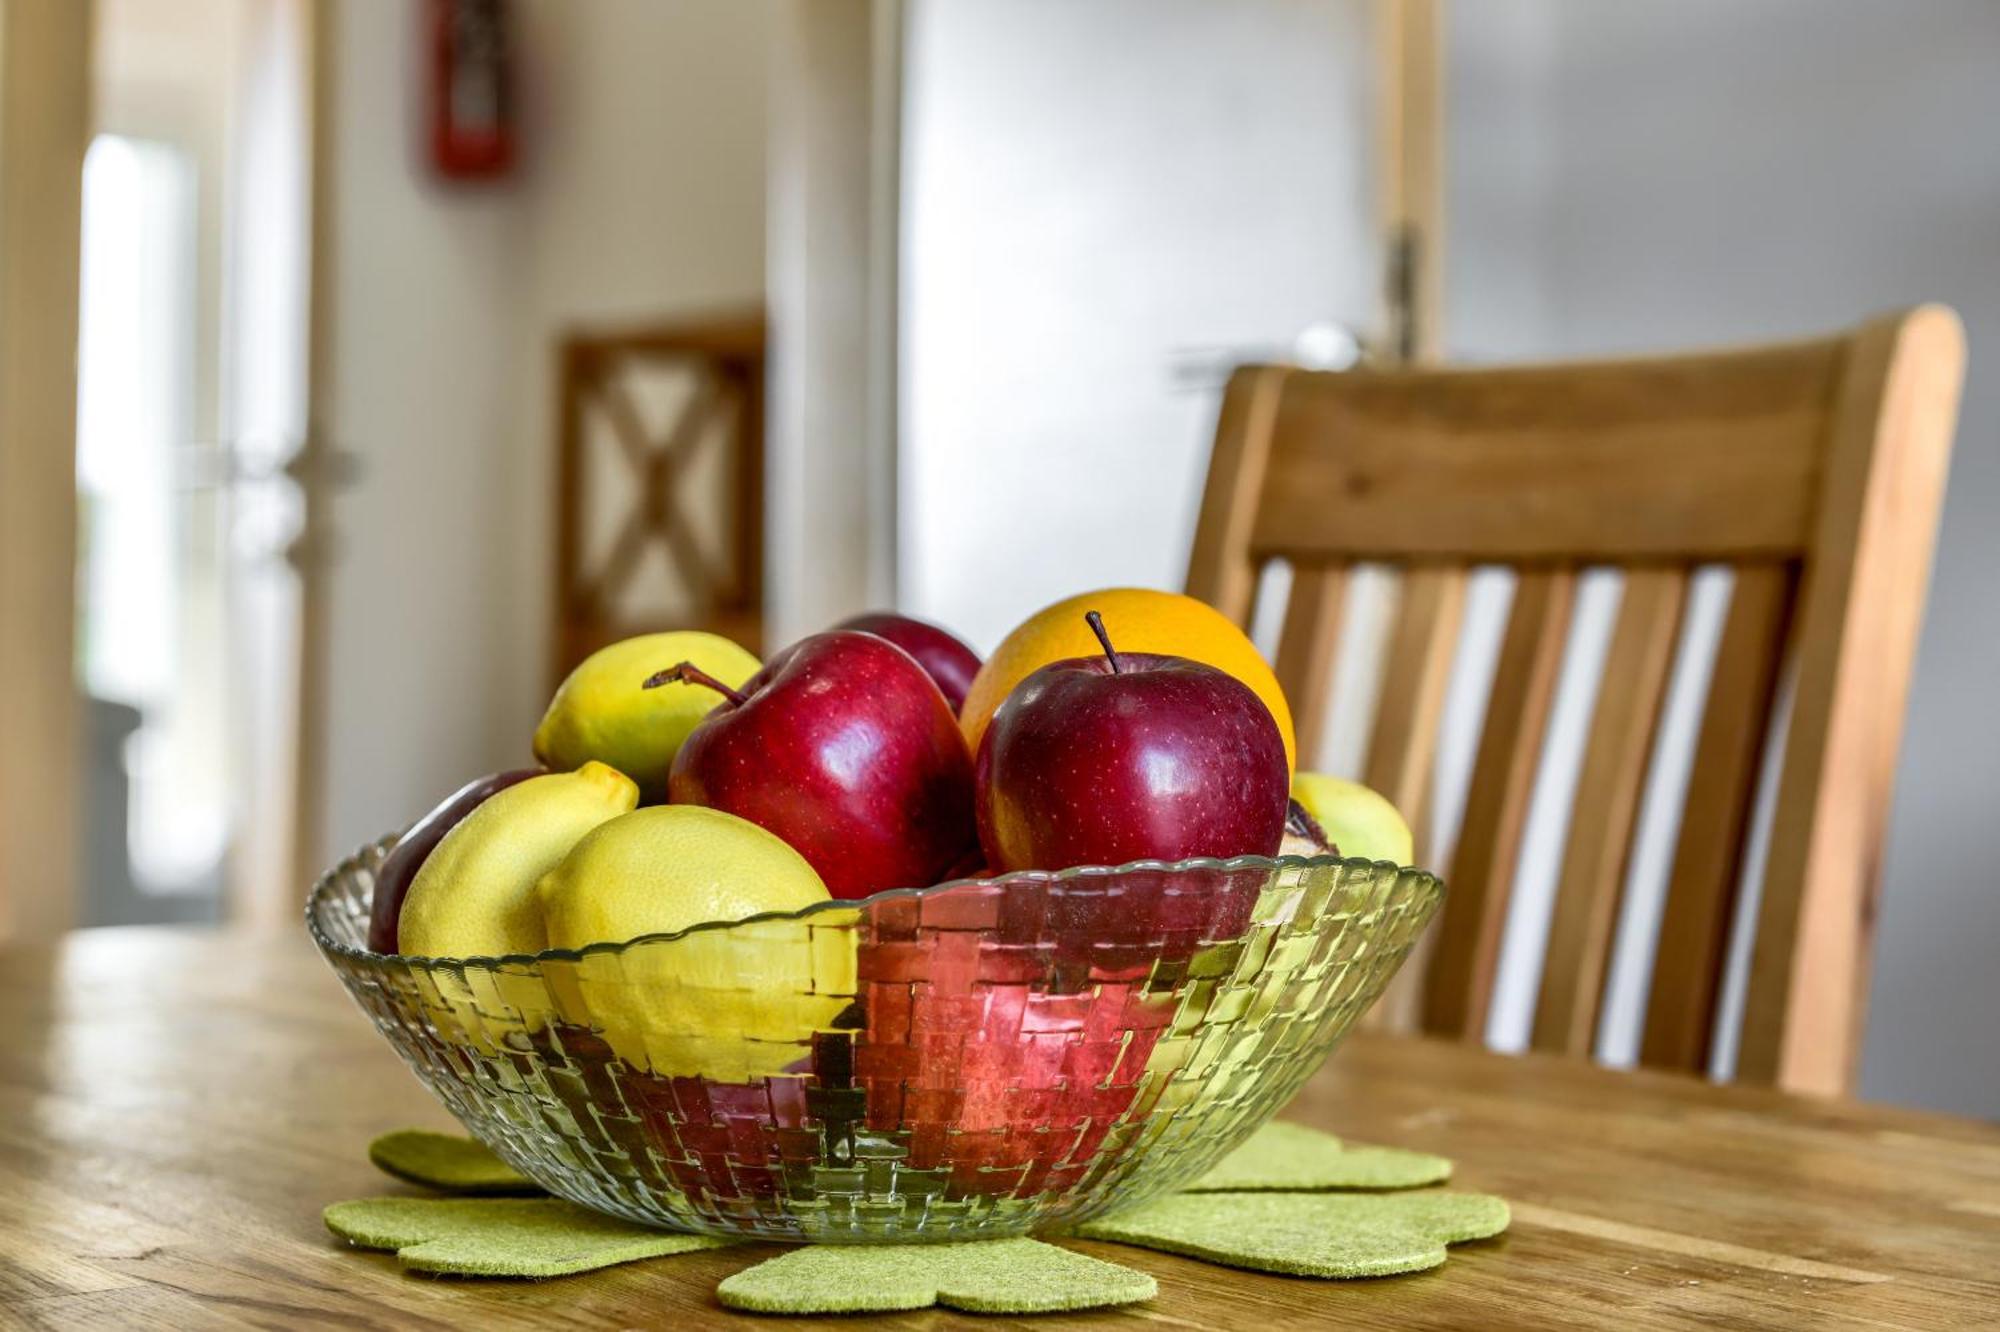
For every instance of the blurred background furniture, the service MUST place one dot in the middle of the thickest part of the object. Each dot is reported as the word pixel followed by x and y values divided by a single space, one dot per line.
pixel 1813 470
pixel 660 484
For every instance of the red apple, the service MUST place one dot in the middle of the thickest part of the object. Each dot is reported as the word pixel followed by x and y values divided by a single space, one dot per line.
pixel 1129 756
pixel 413 848
pixel 944 658
pixel 846 749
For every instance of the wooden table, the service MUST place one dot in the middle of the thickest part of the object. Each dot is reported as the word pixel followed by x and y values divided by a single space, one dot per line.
pixel 176 1107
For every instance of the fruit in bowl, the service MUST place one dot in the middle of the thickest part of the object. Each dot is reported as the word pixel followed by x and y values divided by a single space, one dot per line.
pixel 1358 820
pixel 781 1004
pixel 1159 623
pixel 667 868
pixel 844 747
pixel 414 847
pixel 1122 756
pixel 475 895
pixel 942 654
pixel 602 711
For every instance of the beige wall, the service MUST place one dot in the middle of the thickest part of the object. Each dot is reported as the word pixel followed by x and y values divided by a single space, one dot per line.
pixel 642 195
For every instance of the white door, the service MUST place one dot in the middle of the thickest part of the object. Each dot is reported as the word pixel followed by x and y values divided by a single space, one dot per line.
pixel 1104 204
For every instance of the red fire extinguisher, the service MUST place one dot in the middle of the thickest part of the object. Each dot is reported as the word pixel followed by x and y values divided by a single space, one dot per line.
pixel 472 127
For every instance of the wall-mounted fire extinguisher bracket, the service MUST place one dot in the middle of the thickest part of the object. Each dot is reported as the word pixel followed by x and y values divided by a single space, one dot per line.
pixel 474 133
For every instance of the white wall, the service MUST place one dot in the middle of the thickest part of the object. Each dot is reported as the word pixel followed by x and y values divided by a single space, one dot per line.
pixel 1640 176
pixel 641 196
pixel 1092 191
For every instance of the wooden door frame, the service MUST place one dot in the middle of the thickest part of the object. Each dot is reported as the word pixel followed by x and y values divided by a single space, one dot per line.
pixel 313 468
pixel 44 132
pixel 834 245
pixel 1410 173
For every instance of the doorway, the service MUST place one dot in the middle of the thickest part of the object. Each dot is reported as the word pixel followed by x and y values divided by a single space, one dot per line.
pixel 190 402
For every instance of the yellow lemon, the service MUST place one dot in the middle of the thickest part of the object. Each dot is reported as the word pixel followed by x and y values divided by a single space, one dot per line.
pixel 603 710
pixel 1138 620
pixel 1358 820
pixel 726 1004
pixel 475 895
pixel 666 867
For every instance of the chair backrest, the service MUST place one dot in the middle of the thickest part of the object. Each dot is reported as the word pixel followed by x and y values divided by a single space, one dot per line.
pixel 1815 470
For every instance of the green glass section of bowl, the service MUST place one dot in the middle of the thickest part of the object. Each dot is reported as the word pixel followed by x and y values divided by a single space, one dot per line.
pixel 975 1060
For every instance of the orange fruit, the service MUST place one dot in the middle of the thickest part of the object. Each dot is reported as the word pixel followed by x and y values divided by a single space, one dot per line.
pixel 1138 620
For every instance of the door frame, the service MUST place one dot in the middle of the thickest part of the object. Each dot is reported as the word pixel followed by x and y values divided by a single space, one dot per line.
pixel 44 131
pixel 834 250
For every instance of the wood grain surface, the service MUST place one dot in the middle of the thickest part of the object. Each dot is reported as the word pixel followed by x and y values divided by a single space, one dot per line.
pixel 176 1108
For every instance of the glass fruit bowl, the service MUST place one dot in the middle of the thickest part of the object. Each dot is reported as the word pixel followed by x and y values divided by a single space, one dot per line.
pixel 983 1058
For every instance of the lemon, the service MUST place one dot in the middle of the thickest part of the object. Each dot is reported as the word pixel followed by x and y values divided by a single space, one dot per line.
pixel 666 867
pixel 475 895
pixel 726 1004
pixel 603 710
pixel 1358 820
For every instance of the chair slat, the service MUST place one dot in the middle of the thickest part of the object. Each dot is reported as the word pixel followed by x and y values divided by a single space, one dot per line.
pixel 1459 986
pixel 1306 651
pixel 1615 759
pixel 1221 569
pixel 1860 606
pixel 1707 871
pixel 1402 752
pixel 1691 458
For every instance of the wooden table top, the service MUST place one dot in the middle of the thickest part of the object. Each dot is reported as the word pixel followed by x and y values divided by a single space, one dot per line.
pixel 176 1108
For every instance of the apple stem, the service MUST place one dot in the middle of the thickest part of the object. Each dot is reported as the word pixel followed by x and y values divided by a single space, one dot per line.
pixel 1096 623
pixel 689 673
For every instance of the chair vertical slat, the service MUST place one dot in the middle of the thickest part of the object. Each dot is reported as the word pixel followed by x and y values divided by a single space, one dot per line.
pixel 1702 888
pixel 1599 849
pixel 1402 751
pixel 1221 569
pixel 1458 990
pixel 1306 651
pixel 1860 603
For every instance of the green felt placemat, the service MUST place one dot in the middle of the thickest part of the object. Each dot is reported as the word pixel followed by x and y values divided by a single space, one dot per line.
pixel 1285 1201
pixel 1308 1234
pixel 1292 1158
pixel 502 1237
pixel 1014 1276
pixel 446 1162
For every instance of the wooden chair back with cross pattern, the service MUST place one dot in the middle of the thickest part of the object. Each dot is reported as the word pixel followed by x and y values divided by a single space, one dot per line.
pixel 1814 470
pixel 635 549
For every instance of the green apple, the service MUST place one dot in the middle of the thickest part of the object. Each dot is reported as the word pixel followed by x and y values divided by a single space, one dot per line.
pixel 1360 821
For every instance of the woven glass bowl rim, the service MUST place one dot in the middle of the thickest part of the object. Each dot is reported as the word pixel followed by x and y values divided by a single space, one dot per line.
pixel 330 881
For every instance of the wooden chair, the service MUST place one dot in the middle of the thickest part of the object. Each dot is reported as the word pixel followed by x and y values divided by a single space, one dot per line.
pixel 1814 469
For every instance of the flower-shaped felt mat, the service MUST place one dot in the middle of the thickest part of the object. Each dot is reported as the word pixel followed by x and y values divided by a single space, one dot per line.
pixel 1269 1206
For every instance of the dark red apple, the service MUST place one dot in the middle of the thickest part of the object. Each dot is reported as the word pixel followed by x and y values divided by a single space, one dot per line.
pixel 944 658
pixel 845 748
pixel 1129 756
pixel 413 848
